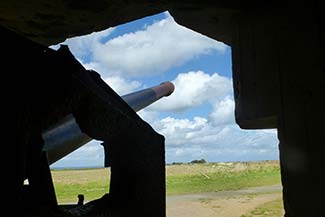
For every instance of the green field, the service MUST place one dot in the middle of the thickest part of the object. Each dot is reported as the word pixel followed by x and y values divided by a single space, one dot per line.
pixel 92 183
pixel 218 177
pixel 180 179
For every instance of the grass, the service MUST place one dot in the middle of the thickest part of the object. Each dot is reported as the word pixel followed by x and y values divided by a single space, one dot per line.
pixel 272 208
pixel 231 178
pixel 93 183
pixel 180 179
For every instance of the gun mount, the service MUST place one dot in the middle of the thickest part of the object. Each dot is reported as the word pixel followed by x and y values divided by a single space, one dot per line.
pixel 78 106
pixel 66 136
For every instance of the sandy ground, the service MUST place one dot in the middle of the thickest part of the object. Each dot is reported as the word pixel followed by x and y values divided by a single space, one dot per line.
pixel 221 204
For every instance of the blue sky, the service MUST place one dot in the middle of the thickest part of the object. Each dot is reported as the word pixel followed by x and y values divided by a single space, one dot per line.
pixel 197 120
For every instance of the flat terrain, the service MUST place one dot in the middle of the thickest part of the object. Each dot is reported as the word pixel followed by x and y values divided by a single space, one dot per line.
pixel 248 202
pixel 211 177
pixel 238 189
pixel 93 183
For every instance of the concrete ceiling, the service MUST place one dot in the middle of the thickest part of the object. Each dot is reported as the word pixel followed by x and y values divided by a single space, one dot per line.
pixel 52 21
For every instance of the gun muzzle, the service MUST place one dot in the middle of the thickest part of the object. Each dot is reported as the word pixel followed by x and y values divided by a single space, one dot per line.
pixel 141 99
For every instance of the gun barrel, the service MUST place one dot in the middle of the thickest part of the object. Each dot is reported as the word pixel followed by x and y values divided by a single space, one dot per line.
pixel 143 98
pixel 66 136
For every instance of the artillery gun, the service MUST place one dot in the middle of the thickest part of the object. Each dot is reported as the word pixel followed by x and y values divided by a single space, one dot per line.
pixel 78 106
pixel 66 136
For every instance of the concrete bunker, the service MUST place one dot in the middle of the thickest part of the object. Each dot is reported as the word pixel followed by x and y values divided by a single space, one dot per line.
pixel 271 56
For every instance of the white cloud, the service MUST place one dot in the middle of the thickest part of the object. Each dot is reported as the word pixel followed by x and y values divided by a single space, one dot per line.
pixel 148 115
pixel 84 46
pixel 177 131
pixel 121 85
pixel 223 112
pixel 153 50
pixel 118 83
pixel 199 138
pixel 193 89
pixel 150 51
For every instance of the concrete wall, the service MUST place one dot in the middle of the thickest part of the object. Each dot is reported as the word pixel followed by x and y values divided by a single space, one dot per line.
pixel 278 66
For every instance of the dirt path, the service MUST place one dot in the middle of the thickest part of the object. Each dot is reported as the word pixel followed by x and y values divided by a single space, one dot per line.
pixel 221 204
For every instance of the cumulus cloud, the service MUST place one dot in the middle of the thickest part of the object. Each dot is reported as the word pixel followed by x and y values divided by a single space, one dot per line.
pixel 148 51
pixel 149 115
pixel 119 84
pixel 122 86
pixel 193 89
pixel 197 138
pixel 223 112
pixel 84 46
pixel 153 50
pixel 177 130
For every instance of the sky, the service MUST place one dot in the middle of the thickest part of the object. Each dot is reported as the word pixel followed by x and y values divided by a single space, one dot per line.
pixel 197 120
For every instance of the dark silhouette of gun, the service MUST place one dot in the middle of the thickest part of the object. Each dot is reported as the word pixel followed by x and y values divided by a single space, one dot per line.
pixel 66 136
